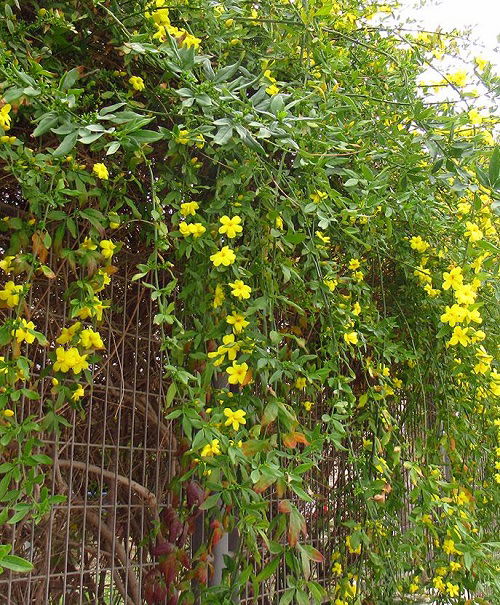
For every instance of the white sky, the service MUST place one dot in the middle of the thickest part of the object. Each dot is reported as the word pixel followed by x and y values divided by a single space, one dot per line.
pixel 483 16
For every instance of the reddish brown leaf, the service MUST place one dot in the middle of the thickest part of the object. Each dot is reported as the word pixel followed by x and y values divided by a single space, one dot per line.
pixel 284 506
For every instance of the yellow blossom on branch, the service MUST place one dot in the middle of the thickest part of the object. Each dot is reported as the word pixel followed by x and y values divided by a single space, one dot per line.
pixel 473 232
pixel 88 244
pixel 225 256
pixel 78 393
pixel 238 322
pixel 100 171
pixel 234 419
pixel 237 373
pixel 91 340
pixel 418 244
pixel 107 248
pixel 211 449
pixel 10 294
pixel 318 196
pixel 68 333
pixel 136 82
pixel 452 279
pixel 351 338
pixel 6 264
pixel 189 208
pixel 218 296
pixel 300 383
pixel 22 332
pixel 460 335
pixel 454 315
pixel 5 118
pixel 230 226
pixel 70 359
pixel 240 289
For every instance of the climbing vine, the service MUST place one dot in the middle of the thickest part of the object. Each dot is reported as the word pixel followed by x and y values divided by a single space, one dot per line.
pixel 321 247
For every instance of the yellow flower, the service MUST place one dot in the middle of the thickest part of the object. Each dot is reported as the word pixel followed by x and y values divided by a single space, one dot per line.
pixel 452 589
pixel 474 316
pixel 459 78
pixel 22 332
pixel 475 117
pixel 418 244
pixel 189 208
pixel 337 568
pixel 6 264
pixel 107 248
pixel 234 419
pixel 464 208
pixel 473 232
pixel 88 244
pixel 211 449
pixel 413 587
pixel 91 340
pixel 240 290
pixel 300 383
pixel 218 296
pixel 230 347
pixel 100 171
pixel 238 322
pixel 5 118
pixel 183 137
pixel 465 294
pixel 10 294
pixel 432 292
pixel 353 551
pixel 356 308
pixel 331 284
pixel 453 315
pixel 190 41
pixel 318 196
pixel 324 238
pixel 453 279
pixel 272 90
pixel 278 221
pixel 351 338
pixel 481 63
pixel 70 360
pixel 185 229
pixel 230 226
pixel 78 393
pixel 68 333
pixel 225 256
pixel 449 547
pixel 454 566
pixel 460 335
pixel 196 229
pixel 237 373
pixel 354 264
pixel 438 583
pixel 358 275
pixel 136 82
pixel 8 413
pixel 308 405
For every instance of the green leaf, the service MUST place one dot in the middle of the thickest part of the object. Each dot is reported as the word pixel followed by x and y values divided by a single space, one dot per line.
pixel 494 168
pixel 268 570
pixel 69 78
pixel 66 144
pixel 15 563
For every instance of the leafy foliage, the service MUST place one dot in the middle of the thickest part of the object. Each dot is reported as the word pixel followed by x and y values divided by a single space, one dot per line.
pixel 329 237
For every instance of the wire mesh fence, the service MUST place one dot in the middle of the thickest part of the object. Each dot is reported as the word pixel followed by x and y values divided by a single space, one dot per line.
pixel 114 457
